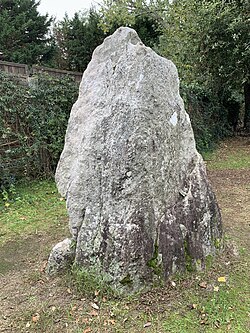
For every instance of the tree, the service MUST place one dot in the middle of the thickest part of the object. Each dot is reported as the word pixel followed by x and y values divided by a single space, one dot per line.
pixel 24 32
pixel 77 38
pixel 209 42
pixel 141 15
pixel 228 48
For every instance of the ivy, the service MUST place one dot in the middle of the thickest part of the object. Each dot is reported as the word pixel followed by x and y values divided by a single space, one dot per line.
pixel 33 121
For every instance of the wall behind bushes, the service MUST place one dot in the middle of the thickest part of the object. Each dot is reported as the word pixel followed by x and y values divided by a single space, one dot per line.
pixel 33 121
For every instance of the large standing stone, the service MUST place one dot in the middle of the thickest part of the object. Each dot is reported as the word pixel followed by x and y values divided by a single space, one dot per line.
pixel 137 193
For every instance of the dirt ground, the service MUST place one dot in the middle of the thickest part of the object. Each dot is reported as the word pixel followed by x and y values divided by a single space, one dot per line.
pixel 232 189
pixel 22 280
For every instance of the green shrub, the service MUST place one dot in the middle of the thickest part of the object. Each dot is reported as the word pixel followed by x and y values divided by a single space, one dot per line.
pixel 208 116
pixel 33 121
pixel 49 111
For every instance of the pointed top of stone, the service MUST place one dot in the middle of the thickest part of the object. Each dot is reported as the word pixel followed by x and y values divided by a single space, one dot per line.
pixel 125 34
pixel 117 43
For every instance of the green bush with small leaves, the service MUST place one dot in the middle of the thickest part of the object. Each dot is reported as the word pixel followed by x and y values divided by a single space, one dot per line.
pixel 207 114
pixel 33 121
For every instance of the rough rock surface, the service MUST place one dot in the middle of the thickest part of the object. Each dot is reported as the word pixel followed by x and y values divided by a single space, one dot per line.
pixel 62 255
pixel 137 194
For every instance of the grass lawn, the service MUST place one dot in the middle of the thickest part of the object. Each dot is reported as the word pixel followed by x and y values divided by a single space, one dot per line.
pixel 217 300
pixel 33 206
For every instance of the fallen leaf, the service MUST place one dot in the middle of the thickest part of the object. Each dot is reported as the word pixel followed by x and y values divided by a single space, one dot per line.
pixel 111 321
pixel 173 283
pixel 97 292
pixel 94 306
pixel 41 281
pixel 222 279
pixel 148 324
pixel 202 310
pixel 85 320
pixel 43 266
pixel 204 320
pixel 94 313
pixel 69 291
pixel 216 288
pixel 88 329
pixel 203 285
pixel 35 317
pixel 104 299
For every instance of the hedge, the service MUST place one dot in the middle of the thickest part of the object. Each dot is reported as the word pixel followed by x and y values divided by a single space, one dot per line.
pixel 33 121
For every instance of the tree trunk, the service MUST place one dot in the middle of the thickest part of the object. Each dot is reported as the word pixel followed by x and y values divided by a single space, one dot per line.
pixel 247 106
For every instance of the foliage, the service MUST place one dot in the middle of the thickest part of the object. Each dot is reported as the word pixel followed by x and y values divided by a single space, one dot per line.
pixel 33 123
pixel 209 42
pixel 24 32
pixel 226 46
pixel 207 115
pixel 49 111
pixel 141 15
pixel 14 134
pixel 76 40
pixel 120 13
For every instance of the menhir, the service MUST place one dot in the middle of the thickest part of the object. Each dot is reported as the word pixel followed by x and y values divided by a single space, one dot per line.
pixel 139 202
